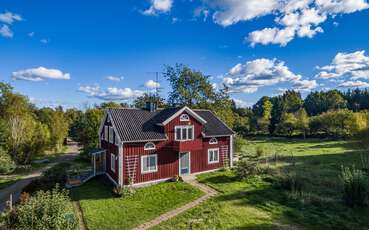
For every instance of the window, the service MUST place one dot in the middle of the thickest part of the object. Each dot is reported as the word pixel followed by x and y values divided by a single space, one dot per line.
pixel 184 133
pixel 184 117
pixel 213 156
pixel 149 163
pixel 111 135
pixel 213 141
pixel 106 130
pixel 112 162
pixel 149 146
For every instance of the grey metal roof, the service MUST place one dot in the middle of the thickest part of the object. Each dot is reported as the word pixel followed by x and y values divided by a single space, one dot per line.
pixel 141 125
pixel 213 126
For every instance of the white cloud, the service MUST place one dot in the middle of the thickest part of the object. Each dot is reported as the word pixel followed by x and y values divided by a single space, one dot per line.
pixel 354 84
pixel 159 6
pixel 241 103
pixel 248 77
pixel 305 85
pixel 111 93
pixel 31 34
pixel 40 74
pixel 44 41
pixel 115 78
pixel 353 65
pixel 294 18
pixel 6 32
pixel 9 17
pixel 152 84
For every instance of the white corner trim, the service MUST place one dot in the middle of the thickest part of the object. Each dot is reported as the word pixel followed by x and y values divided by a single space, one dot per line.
pixel 188 110
pixel 231 151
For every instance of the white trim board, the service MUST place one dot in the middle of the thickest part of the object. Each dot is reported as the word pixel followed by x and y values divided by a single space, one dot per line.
pixel 188 110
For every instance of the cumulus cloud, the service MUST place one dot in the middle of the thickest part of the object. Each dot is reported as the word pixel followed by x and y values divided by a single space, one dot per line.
pixel 6 32
pixel 115 78
pixel 293 18
pixel 40 74
pixel 9 17
pixel 305 85
pixel 159 6
pixel 241 103
pixel 353 65
pixel 248 77
pixel 111 93
pixel 354 84
pixel 152 84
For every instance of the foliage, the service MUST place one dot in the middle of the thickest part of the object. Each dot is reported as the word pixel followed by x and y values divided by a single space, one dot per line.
pixel 291 182
pixel 319 102
pixel 54 175
pixel 239 142
pixel 355 187
pixel 260 151
pixel 246 168
pixel 45 210
pixel 123 191
pixel 140 102
pixel 7 165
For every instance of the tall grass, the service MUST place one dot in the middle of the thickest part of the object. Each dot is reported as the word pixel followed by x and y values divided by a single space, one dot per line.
pixel 355 187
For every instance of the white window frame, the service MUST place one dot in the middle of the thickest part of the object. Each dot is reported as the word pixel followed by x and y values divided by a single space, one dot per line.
pixel 150 170
pixel 106 133
pixel 111 135
pixel 209 152
pixel 181 127
pixel 149 148
pixel 112 162
pixel 184 117
pixel 213 141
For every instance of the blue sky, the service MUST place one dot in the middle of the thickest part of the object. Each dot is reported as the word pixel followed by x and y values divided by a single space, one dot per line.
pixel 62 52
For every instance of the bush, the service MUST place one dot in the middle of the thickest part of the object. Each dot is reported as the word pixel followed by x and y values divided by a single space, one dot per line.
pixel 124 191
pixel 292 182
pixel 239 142
pixel 246 168
pixel 54 175
pixel 355 187
pixel 44 210
pixel 7 165
pixel 260 151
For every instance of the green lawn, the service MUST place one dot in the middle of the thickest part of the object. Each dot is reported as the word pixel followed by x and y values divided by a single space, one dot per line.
pixel 257 203
pixel 102 211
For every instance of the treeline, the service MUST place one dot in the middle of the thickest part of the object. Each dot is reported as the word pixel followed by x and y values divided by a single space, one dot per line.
pixel 26 131
pixel 328 114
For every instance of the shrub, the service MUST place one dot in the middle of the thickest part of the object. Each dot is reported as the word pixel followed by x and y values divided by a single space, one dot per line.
pixel 355 187
pixel 364 162
pixel 44 210
pixel 292 182
pixel 7 165
pixel 260 151
pixel 124 191
pixel 48 180
pixel 246 168
pixel 239 142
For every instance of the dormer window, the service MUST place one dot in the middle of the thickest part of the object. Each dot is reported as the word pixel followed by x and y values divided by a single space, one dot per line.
pixel 149 146
pixel 184 117
pixel 213 141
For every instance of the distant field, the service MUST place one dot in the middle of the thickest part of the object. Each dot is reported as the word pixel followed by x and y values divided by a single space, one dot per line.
pixel 256 203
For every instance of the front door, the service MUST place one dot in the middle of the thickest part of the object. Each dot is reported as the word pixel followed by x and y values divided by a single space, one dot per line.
pixel 184 163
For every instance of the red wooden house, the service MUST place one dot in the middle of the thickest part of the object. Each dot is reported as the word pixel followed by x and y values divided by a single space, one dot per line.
pixel 148 145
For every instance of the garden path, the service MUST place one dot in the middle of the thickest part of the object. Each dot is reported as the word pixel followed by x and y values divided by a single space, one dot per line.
pixel 18 186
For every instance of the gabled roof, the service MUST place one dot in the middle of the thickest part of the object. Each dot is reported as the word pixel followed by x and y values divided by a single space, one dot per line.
pixel 137 125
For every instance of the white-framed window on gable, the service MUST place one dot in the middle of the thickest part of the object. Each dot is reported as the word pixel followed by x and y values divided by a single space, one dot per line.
pixel 213 141
pixel 184 133
pixel 112 162
pixel 111 135
pixel 184 117
pixel 149 163
pixel 149 146
pixel 106 131
pixel 213 156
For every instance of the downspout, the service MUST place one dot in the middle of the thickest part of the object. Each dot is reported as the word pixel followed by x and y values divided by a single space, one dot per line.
pixel 120 164
pixel 231 151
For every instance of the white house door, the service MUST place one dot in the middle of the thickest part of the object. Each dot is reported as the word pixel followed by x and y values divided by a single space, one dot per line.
pixel 184 163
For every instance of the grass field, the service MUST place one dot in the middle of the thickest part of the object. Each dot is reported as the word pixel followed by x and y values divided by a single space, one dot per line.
pixel 256 203
pixel 102 211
